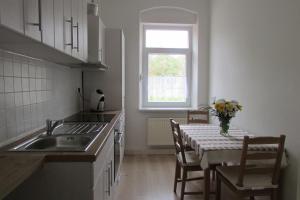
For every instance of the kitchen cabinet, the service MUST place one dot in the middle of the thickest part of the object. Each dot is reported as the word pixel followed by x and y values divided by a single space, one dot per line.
pixel 47 20
pixel 33 19
pixel 59 24
pixel 75 27
pixel 76 180
pixel 11 14
pixel 104 174
pixel 96 39
pixel 68 27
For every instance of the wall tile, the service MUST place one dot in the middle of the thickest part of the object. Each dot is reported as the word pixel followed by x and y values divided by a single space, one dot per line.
pixel 8 68
pixel 2 118
pixel 19 99
pixel 26 94
pixel 38 84
pixel 32 84
pixel 26 98
pixel 17 69
pixel 39 96
pixel 31 71
pixel 1 84
pixel 18 84
pixel 44 84
pixel 9 100
pixel 3 133
pixel 32 97
pixel 11 131
pixel 2 100
pixel 1 67
pixel 38 72
pixel 25 84
pixel 10 116
pixel 25 70
pixel 8 84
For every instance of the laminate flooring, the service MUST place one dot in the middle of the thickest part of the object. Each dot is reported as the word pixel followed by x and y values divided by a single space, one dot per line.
pixel 151 177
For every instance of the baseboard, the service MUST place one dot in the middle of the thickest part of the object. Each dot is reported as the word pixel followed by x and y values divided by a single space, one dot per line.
pixel 150 152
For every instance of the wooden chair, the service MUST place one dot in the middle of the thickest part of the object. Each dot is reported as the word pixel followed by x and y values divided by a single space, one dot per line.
pixel 185 160
pixel 197 117
pixel 250 180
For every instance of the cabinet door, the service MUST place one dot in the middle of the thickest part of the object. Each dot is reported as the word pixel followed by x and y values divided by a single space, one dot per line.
pixel 59 24
pixel 101 41
pixel 101 186
pixel 47 14
pixel 68 23
pixel 33 19
pixel 11 14
pixel 82 29
pixel 75 27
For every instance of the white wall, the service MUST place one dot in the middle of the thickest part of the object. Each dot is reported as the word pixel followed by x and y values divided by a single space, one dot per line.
pixel 255 51
pixel 32 91
pixel 125 15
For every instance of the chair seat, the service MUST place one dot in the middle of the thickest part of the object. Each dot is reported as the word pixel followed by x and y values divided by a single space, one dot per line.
pixel 191 159
pixel 251 181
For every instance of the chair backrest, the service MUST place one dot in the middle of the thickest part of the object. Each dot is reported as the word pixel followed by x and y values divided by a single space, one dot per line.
pixel 262 156
pixel 177 137
pixel 197 116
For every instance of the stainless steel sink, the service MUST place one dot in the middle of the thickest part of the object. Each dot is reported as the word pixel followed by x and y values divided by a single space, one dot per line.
pixel 63 142
pixel 68 137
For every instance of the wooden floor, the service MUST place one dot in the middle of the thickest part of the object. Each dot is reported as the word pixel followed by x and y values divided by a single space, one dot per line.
pixel 151 178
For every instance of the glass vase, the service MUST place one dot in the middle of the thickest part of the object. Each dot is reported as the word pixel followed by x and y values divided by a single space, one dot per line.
pixel 224 126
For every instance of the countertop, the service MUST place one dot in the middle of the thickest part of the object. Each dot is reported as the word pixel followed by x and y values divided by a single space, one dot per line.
pixel 16 167
pixel 88 156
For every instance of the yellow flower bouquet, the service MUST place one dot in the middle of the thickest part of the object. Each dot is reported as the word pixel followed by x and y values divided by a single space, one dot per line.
pixel 225 110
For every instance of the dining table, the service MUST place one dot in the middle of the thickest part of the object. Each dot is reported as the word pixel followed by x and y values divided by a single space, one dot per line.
pixel 214 148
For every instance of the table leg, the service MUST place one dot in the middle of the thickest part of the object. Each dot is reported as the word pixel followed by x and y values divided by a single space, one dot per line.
pixel 206 183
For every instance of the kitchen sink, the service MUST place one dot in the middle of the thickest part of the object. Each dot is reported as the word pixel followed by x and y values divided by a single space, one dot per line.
pixel 65 142
pixel 67 137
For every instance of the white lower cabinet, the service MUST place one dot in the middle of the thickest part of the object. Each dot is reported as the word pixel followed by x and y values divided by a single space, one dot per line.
pixel 72 180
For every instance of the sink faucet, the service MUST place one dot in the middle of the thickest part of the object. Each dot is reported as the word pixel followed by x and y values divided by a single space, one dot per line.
pixel 51 126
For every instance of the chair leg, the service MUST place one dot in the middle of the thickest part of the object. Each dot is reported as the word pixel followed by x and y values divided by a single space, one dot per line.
pixel 184 177
pixel 218 188
pixel 177 175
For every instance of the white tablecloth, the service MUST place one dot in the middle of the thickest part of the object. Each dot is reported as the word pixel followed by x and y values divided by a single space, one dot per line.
pixel 214 148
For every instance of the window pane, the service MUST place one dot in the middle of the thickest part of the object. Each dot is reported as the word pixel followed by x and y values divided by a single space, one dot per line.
pixel 167 78
pixel 167 39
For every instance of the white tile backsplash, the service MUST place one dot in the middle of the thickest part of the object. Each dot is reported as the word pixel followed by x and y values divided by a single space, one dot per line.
pixel 25 70
pixel 8 84
pixel 17 69
pixel 32 91
pixel 8 68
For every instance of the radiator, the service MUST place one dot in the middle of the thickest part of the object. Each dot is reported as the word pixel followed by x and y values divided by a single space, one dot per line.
pixel 159 131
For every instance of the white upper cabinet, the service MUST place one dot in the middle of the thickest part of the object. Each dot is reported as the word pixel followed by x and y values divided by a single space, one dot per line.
pixel 47 15
pixel 82 34
pixel 11 14
pixel 75 27
pixel 59 24
pixel 68 26
pixel 33 19
pixel 96 39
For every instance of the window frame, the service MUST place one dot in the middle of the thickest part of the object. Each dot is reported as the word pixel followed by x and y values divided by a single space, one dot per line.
pixel 146 51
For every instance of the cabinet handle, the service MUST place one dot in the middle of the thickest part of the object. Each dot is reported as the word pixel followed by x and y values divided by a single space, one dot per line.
pixel 71 25
pixel 77 31
pixel 39 24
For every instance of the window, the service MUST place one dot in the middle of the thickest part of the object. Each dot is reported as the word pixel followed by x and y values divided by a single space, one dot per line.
pixel 166 66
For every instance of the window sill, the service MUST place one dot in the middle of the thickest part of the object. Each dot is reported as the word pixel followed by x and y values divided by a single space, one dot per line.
pixel 165 109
